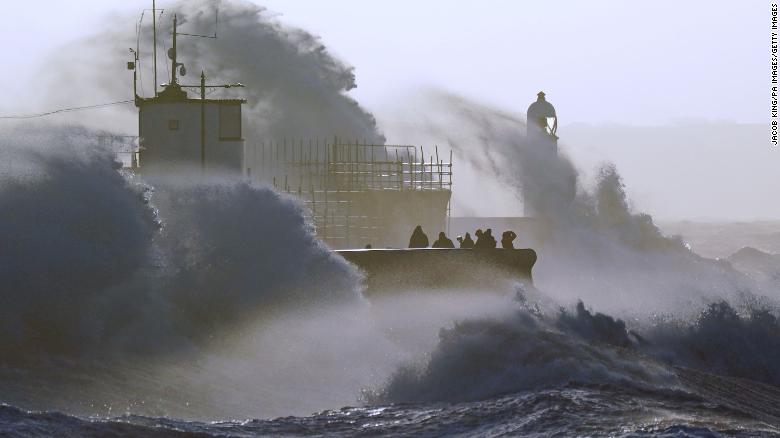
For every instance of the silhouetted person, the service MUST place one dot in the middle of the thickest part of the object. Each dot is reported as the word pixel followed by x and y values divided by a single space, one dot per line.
pixel 418 239
pixel 507 238
pixel 480 243
pixel 485 239
pixel 490 239
pixel 466 242
pixel 443 242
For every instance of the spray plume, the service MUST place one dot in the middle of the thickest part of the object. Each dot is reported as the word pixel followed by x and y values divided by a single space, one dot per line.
pixel 295 88
pixel 166 266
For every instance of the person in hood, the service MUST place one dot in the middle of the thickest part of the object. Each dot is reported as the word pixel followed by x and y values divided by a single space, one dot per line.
pixel 485 239
pixel 418 239
pixel 443 242
pixel 507 238
pixel 466 242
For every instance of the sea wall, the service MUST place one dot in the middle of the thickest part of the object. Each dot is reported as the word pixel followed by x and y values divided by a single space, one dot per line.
pixel 432 268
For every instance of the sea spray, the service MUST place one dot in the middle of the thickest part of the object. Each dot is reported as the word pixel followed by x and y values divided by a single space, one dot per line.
pixel 594 246
pixel 184 296
pixel 106 274
pixel 74 234
pixel 482 358
pixel 95 259
pixel 294 86
pixel 680 307
pixel 600 250
pixel 487 357
pixel 235 251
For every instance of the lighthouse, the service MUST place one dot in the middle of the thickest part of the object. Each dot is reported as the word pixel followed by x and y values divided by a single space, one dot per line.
pixel 542 124
pixel 542 143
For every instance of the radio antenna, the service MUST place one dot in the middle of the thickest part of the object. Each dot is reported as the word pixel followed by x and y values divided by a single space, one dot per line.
pixel 154 37
pixel 216 27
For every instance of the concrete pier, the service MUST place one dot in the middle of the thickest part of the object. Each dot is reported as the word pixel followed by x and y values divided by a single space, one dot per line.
pixel 432 268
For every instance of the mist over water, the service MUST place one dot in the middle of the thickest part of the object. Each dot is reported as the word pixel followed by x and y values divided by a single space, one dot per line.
pixel 101 267
pixel 96 247
pixel 215 287
pixel 178 296
pixel 593 245
pixel 663 305
pixel 175 295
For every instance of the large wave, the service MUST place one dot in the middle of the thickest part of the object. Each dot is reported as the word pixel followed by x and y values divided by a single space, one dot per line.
pixel 483 358
pixel 593 244
pixel 74 233
pixel 94 261
pixel 295 87
pixel 99 264
pixel 668 307
pixel 681 309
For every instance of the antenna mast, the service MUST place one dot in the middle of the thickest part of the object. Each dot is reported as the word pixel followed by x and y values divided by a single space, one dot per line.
pixel 173 53
pixel 154 36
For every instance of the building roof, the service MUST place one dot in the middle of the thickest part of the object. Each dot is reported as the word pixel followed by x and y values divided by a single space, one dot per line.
pixel 175 94
pixel 152 100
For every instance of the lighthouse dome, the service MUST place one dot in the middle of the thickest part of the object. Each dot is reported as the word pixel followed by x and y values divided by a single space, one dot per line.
pixel 541 109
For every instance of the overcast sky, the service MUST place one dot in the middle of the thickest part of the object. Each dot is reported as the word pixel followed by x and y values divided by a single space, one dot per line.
pixel 602 63
pixel 599 61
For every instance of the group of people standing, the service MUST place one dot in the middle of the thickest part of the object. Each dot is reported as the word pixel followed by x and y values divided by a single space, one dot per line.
pixel 485 240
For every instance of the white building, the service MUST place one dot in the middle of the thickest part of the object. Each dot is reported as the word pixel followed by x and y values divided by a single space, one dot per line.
pixel 178 131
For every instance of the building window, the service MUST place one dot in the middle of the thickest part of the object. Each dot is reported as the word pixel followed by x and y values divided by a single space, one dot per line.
pixel 173 125
pixel 230 121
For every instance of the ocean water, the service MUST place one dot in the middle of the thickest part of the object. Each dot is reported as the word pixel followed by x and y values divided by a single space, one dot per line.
pixel 576 373
pixel 710 406
pixel 183 306
pixel 192 307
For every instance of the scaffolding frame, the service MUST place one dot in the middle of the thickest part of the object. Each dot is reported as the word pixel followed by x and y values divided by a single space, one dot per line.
pixel 325 174
pixel 347 166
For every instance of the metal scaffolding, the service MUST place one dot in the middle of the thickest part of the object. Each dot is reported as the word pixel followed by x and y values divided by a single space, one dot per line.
pixel 337 181
pixel 330 176
pixel 347 166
